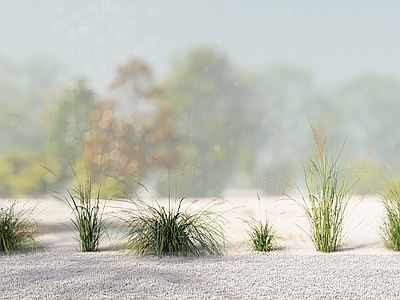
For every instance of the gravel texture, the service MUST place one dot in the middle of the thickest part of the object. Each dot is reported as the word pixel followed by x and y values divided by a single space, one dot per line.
pixel 64 273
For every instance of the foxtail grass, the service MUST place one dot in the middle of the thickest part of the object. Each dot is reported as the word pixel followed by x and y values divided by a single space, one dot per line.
pixel 328 187
pixel 18 231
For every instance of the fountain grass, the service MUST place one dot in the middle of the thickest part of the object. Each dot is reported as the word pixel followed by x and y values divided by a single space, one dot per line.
pixel 173 229
pixel 390 228
pixel 328 187
pixel 18 231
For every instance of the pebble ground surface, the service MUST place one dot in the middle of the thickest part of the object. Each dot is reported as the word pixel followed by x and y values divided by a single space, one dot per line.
pixel 65 273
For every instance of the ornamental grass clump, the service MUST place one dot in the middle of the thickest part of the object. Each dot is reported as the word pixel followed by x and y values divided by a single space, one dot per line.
pixel 390 228
pixel 262 233
pixel 328 188
pixel 161 230
pixel 84 202
pixel 17 230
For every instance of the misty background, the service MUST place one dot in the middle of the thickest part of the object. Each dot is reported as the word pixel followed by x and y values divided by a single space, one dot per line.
pixel 218 90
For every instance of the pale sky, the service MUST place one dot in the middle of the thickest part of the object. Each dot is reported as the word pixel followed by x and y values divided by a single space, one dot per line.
pixel 335 40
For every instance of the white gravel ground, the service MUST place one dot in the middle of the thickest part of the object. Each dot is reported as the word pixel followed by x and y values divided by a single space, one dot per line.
pixel 64 273
pixel 364 269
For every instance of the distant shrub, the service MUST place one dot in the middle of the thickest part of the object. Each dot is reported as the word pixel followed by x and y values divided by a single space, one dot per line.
pixel 27 178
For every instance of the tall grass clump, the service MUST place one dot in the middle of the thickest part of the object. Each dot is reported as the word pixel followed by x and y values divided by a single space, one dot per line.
pixel 390 228
pixel 17 230
pixel 262 232
pixel 173 228
pixel 84 202
pixel 328 188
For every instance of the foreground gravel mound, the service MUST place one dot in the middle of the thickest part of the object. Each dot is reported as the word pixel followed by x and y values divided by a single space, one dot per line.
pixel 64 273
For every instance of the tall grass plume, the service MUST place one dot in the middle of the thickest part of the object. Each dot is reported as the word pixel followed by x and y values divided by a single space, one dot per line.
pixel 327 187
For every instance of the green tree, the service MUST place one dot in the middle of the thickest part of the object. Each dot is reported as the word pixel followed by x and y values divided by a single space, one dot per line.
pixel 205 97
pixel 367 109
pixel 68 118
pixel 23 123
pixel 284 97
pixel 71 121
pixel 21 87
pixel 128 132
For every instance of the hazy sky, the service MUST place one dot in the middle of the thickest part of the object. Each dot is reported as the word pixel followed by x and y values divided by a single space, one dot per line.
pixel 334 39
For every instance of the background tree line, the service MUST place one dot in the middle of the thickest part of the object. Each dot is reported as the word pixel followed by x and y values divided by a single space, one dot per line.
pixel 223 126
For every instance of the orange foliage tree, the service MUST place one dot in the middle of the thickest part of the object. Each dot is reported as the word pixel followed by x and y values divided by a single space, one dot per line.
pixel 129 131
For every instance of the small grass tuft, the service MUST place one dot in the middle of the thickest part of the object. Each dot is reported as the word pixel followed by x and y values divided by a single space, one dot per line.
pixel 17 230
pixel 262 234
pixel 390 228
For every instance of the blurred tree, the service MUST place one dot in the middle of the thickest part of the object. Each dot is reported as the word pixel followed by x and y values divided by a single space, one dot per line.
pixel 221 126
pixel 70 122
pixel 367 110
pixel 284 97
pixel 129 131
pixel 205 97
pixel 20 173
pixel 21 86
